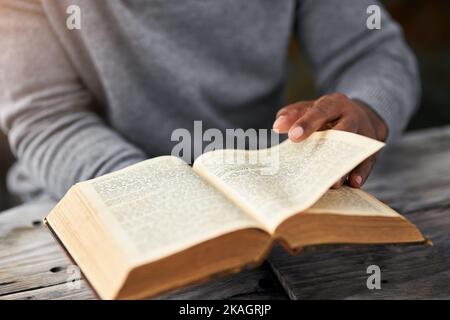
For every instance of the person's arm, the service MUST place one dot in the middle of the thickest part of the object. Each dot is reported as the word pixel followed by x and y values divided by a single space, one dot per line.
pixel 45 109
pixel 368 78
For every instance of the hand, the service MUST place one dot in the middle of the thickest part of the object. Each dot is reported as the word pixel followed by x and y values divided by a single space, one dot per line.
pixel 335 111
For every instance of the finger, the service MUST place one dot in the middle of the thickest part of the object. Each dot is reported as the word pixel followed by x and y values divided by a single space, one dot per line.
pixel 287 116
pixel 314 118
pixel 360 174
pixel 328 126
pixel 347 123
pixel 285 121
pixel 340 182
pixel 297 107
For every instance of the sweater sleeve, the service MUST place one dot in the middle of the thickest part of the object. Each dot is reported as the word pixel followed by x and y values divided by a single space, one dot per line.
pixel 373 66
pixel 45 109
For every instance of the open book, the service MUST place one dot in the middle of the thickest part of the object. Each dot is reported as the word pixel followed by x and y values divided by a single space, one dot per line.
pixel 162 224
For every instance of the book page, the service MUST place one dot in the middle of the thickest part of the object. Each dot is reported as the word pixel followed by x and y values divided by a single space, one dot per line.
pixel 350 201
pixel 161 206
pixel 304 172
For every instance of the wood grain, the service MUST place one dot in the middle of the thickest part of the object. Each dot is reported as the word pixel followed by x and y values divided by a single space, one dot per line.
pixel 414 174
pixel 414 178
pixel 33 266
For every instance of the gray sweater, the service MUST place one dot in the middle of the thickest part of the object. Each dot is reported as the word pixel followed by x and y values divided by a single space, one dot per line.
pixel 77 104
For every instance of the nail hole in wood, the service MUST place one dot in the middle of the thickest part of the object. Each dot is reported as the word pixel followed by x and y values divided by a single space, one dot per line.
pixel 56 269
pixel 37 223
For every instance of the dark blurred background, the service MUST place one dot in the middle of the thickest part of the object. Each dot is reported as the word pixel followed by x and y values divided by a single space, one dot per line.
pixel 426 26
pixel 427 30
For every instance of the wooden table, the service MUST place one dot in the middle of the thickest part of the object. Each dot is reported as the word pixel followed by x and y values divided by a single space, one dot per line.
pixel 413 177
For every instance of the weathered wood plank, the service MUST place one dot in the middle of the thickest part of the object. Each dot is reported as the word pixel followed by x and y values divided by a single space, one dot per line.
pixel 407 272
pixel 33 266
pixel 54 292
pixel 258 283
pixel 415 173
pixel 413 177
pixel 30 260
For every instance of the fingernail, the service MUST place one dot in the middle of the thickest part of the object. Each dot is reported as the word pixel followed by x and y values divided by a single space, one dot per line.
pixel 358 180
pixel 278 123
pixel 296 133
